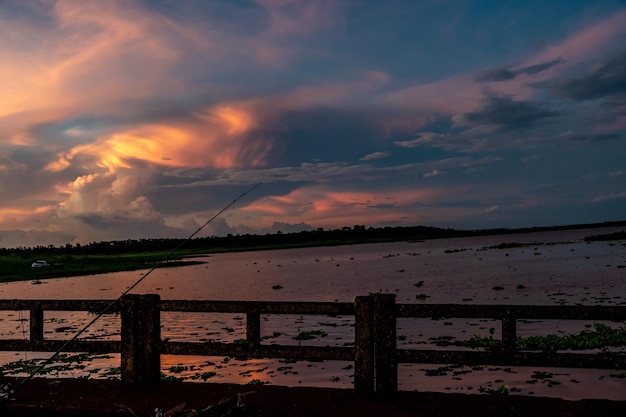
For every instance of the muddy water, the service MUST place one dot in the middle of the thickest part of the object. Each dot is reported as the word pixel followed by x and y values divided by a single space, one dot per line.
pixel 550 268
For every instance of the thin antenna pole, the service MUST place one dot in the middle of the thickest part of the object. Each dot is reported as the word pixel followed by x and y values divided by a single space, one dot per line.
pixel 4 393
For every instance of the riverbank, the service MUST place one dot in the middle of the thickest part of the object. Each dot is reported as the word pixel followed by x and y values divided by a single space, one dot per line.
pixel 103 398
pixel 131 255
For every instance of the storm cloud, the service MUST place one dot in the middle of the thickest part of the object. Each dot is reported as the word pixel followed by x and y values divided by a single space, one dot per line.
pixel 131 119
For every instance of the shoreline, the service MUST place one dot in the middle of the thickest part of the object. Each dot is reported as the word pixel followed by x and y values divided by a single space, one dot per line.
pixel 70 265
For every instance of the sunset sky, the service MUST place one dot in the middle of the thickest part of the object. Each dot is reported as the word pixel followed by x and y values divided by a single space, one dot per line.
pixel 142 119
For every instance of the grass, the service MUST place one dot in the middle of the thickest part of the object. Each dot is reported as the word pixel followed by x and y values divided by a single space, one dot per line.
pixel 17 267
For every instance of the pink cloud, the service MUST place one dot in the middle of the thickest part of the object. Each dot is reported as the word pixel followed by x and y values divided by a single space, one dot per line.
pixel 317 205
pixel 420 104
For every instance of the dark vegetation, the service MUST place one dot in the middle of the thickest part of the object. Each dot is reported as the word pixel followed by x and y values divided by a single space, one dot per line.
pixel 136 254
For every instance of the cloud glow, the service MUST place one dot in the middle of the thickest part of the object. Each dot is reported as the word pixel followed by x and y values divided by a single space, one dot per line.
pixel 129 119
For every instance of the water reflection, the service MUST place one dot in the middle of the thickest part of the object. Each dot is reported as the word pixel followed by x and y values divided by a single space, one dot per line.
pixel 549 268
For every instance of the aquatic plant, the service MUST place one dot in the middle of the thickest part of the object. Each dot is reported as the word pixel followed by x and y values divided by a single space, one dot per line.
pixel 500 390
pixel 601 337
pixel 256 382
pixel 312 334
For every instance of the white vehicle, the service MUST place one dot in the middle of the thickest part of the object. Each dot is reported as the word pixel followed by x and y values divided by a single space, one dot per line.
pixel 40 264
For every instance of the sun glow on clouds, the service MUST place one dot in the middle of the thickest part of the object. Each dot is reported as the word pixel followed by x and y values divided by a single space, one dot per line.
pixel 215 138
pixel 113 99
pixel 339 208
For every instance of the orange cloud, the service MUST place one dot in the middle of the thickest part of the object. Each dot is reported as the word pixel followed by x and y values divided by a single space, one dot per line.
pixel 216 138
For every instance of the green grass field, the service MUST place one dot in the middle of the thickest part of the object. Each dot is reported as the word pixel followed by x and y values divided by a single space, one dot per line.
pixel 17 267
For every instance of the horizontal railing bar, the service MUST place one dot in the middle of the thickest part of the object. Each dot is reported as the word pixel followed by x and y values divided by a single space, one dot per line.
pixel 543 359
pixel 264 307
pixel 60 305
pixel 610 313
pixel 101 346
pixel 271 351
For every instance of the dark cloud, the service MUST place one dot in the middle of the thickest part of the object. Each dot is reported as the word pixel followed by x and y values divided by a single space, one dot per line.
pixel 290 228
pixel 506 73
pixel 496 74
pixel 536 69
pixel 606 79
pixel 590 137
pixel 505 113
pixel 308 135
pixel 31 238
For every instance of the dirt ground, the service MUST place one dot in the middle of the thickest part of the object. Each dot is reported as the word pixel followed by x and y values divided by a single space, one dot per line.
pixel 72 397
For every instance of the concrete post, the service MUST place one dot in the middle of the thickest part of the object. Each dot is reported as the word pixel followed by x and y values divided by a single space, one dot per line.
pixel 141 338
pixel 385 343
pixel 36 325
pixel 509 338
pixel 253 329
pixel 364 345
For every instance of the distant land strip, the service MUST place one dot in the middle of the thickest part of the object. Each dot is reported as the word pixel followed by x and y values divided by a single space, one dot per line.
pixel 137 254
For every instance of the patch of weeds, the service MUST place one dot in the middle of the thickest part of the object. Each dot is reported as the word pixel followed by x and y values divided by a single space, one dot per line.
pixel 441 371
pixel 454 250
pixel 113 372
pixel 542 375
pixel 256 382
pixel 170 378
pixel 480 342
pixel 61 363
pixel 506 245
pixel 444 341
pixel 204 375
pixel 272 336
pixel 499 390
pixel 602 336
pixel 312 334
pixel 177 369
pixel 240 342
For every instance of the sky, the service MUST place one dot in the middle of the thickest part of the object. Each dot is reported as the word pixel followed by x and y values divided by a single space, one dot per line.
pixel 142 119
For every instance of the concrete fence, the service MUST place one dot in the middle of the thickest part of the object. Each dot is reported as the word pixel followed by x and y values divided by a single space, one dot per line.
pixel 374 352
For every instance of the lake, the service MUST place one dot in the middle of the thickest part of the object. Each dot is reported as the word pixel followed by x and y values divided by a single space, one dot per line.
pixel 543 268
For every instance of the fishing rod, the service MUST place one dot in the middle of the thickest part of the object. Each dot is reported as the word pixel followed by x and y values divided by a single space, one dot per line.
pixel 6 391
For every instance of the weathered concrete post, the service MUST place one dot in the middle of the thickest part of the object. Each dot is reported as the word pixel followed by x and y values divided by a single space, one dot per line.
pixel 364 345
pixel 141 338
pixel 253 329
pixel 509 337
pixel 36 325
pixel 385 343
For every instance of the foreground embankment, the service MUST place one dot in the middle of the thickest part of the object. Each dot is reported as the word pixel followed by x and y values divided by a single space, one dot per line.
pixel 103 398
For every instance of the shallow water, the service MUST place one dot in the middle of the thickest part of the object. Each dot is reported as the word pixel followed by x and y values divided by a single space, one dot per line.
pixel 556 268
